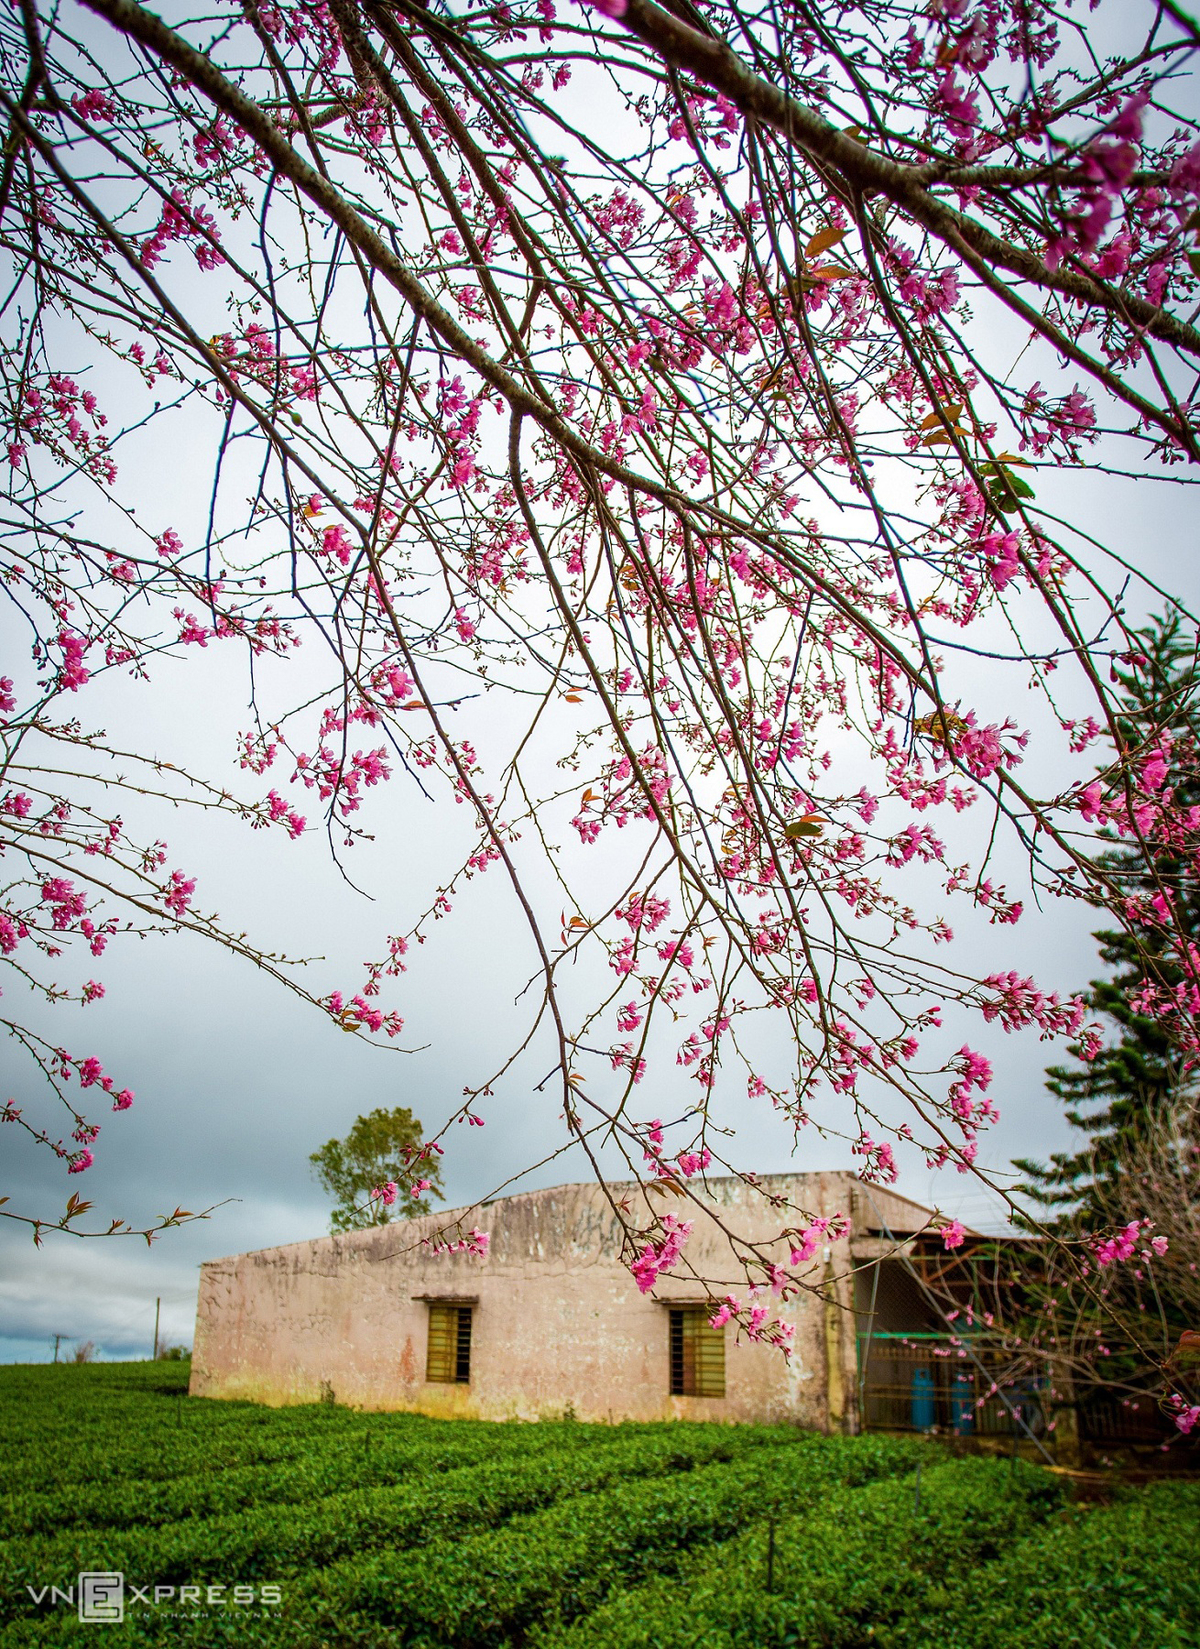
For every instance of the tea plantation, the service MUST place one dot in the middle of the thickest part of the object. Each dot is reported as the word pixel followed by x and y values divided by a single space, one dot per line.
pixel 398 1532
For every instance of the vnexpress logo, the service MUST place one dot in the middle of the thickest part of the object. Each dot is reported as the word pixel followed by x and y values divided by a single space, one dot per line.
pixel 101 1597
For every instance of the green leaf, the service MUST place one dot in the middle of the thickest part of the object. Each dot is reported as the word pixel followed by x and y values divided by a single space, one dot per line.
pixel 1006 489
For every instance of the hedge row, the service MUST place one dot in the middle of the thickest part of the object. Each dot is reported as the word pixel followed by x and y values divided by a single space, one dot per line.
pixel 831 1575
pixel 112 1456
pixel 375 1454
pixel 1117 1577
pixel 490 1589
pixel 139 1447
pixel 101 1423
pixel 402 1532
pixel 265 1542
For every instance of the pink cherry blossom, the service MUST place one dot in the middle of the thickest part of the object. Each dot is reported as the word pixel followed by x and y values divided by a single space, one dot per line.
pixel 661 1255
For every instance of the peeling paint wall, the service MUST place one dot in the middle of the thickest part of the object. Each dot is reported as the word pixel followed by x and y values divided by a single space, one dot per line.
pixel 558 1323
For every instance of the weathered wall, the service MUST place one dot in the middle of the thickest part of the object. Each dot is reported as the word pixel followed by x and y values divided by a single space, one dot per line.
pixel 558 1321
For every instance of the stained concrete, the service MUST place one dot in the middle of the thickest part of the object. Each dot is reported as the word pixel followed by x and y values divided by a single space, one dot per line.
pixel 558 1323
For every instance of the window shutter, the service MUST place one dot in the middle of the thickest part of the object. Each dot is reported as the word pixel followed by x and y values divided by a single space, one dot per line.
pixel 697 1354
pixel 441 1355
pixel 710 1357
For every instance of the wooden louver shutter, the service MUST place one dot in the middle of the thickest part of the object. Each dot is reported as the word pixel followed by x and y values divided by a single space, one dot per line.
pixel 697 1354
pixel 442 1354
pixel 709 1356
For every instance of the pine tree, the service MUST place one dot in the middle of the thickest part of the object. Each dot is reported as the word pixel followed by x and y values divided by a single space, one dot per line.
pixel 1112 1098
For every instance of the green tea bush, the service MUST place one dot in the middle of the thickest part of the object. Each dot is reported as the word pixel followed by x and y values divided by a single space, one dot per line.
pixel 830 1575
pixel 1110 1577
pixel 319 1466
pixel 263 1542
pixel 394 1531
pixel 491 1589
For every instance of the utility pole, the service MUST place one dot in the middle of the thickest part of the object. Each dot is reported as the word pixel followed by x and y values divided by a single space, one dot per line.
pixel 57 1338
pixel 157 1308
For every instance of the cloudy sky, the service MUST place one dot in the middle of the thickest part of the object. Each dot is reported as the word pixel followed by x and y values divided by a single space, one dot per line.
pixel 237 1081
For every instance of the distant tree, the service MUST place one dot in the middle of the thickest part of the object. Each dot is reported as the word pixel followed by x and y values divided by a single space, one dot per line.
pixel 381 1171
pixel 1117 1096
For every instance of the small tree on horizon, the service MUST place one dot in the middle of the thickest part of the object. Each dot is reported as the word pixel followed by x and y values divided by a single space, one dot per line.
pixel 382 1151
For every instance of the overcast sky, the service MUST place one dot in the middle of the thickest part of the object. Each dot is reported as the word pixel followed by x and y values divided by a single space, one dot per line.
pixel 237 1082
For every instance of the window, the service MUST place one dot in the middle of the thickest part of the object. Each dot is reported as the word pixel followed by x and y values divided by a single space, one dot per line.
pixel 448 1358
pixel 697 1354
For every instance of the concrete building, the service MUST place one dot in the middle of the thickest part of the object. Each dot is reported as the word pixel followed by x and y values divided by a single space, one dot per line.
pixel 550 1321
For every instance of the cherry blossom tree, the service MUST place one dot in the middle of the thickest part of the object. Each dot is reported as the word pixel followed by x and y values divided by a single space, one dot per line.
pixel 1099 1325
pixel 624 424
